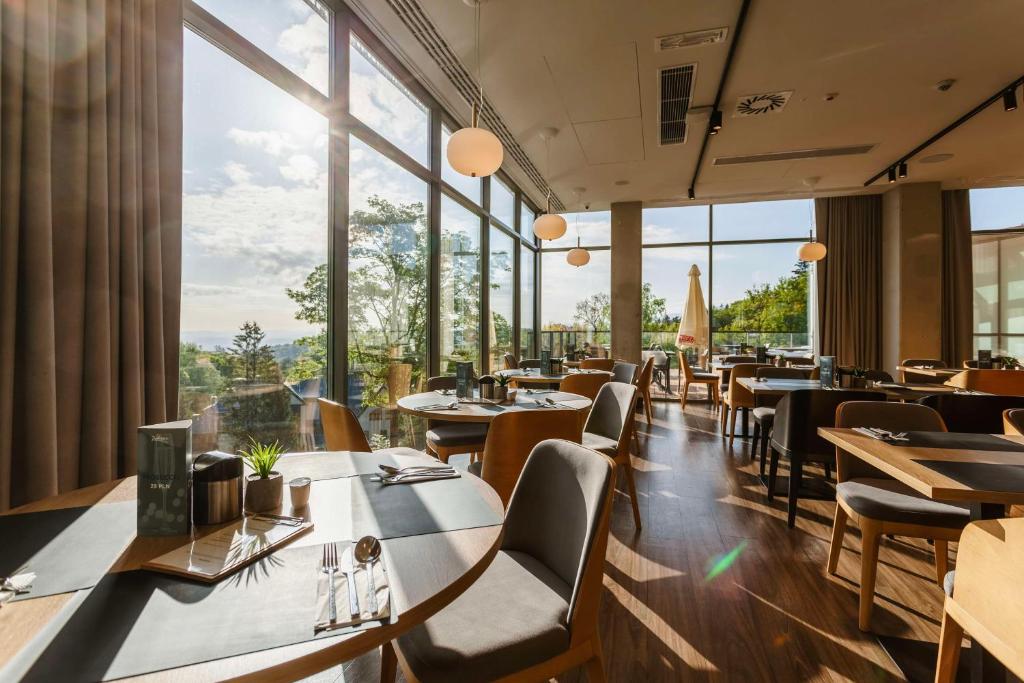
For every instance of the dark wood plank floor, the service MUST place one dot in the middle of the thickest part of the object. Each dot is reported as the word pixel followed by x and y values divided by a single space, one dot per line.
pixel 716 587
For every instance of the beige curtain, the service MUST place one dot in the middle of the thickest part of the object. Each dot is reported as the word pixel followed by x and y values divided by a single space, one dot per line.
pixel 850 279
pixel 957 278
pixel 90 236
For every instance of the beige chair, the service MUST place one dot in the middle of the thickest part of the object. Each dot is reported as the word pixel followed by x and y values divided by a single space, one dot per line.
pixel 605 364
pixel 341 428
pixel 737 398
pixel 624 372
pixel 921 377
pixel 609 430
pixel 584 385
pixel 881 505
pixel 445 439
pixel 643 384
pixel 1001 382
pixel 510 362
pixel 511 438
pixel 533 613
pixel 1013 421
pixel 987 600
pixel 687 377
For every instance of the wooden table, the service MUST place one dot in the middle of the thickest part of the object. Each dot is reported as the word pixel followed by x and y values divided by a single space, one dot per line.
pixel 427 572
pixel 907 465
pixel 484 412
pixel 942 373
pixel 781 387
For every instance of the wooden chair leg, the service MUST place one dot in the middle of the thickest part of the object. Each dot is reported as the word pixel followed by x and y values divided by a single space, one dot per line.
pixel 732 425
pixel 595 669
pixel 871 535
pixel 838 533
pixel 796 471
pixel 388 663
pixel 647 406
pixel 717 394
pixel 631 489
pixel 949 649
pixel 941 560
pixel 683 392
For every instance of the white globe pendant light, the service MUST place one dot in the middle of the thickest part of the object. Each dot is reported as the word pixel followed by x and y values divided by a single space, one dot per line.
pixel 549 226
pixel 474 151
pixel 578 256
pixel 811 250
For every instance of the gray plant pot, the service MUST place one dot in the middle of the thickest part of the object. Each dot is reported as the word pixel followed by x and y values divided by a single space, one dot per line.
pixel 500 393
pixel 263 495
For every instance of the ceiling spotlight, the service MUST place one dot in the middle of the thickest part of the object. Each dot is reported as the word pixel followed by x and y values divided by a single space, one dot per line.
pixel 715 122
pixel 1010 100
pixel 892 174
pixel 903 169
pixel 691 194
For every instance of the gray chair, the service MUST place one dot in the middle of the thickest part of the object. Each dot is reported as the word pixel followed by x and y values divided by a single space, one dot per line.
pixel 446 439
pixel 532 614
pixel 880 505
pixel 764 410
pixel 877 376
pixel 609 429
pixel 624 372
pixel 531 363
pixel 973 413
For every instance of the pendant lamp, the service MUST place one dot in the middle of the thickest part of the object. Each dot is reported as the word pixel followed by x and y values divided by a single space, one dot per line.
pixel 578 256
pixel 474 151
pixel 549 226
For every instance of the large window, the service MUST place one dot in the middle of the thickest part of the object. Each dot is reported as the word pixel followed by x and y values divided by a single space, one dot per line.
pixel 527 292
pixel 503 202
pixel 460 286
pixel 576 303
pixel 997 217
pixel 501 330
pixel 254 244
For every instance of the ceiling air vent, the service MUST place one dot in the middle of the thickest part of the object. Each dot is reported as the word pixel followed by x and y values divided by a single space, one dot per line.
pixel 795 154
pixel 676 86
pixel 761 104
pixel 676 41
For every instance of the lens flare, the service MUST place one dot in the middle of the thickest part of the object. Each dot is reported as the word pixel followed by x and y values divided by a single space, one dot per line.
pixel 723 562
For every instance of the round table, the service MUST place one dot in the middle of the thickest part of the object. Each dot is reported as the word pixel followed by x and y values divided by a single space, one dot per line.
pixel 484 412
pixel 427 572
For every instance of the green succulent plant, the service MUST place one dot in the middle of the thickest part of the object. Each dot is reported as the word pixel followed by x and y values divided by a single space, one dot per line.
pixel 261 457
pixel 503 380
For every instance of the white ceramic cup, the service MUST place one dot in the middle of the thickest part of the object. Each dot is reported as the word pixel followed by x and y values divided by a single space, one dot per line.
pixel 298 488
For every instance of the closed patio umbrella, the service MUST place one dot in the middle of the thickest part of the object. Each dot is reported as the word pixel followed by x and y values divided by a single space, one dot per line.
pixel 693 326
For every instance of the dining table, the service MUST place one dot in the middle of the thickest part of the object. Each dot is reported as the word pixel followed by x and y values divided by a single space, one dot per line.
pixel 433 405
pixel 938 373
pixel 425 572
pixel 894 391
pixel 984 472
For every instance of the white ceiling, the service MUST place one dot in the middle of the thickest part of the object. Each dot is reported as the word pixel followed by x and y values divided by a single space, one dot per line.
pixel 589 68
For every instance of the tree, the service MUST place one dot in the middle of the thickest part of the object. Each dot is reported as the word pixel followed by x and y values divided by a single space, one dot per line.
pixel 779 307
pixel 312 301
pixel 594 312
pixel 253 360
pixel 652 308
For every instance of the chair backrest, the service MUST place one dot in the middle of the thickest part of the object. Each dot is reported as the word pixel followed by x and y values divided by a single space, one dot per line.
pixel 895 417
pixel 529 363
pixel 612 414
pixel 1013 421
pixel 441 383
pixel 1002 382
pixel 597 364
pixel 972 413
pixel 558 515
pixel 623 372
pixel 643 380
pixel 584 384
pixel 684 367
pixel 511 437
pixel 740 359
pixel 770 372
pixel 799 414
pixel 510 362
pixel 877 376
pixel 341 428
pixel 923 363
pixel 738 395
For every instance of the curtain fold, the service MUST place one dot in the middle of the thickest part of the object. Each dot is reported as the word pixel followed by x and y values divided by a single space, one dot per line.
pixel 957 278
pixel 849 279
pixel 90 237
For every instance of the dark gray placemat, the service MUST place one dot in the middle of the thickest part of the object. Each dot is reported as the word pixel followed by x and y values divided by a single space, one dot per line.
pixel 68 549
pixel 960 441
pixel 138 622
pixel 981 476
pixel 337 465
pixel 426 507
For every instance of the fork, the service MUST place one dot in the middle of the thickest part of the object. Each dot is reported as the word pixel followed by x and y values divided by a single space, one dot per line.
pixel 330 566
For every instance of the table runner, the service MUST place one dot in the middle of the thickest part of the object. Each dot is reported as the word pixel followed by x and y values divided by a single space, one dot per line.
pixel 152 621
pixel 68 549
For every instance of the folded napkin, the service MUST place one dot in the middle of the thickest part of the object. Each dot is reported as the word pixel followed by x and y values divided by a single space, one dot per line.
pixel 380 579
pixel 437 406
pixel 417 477
pixel 19 583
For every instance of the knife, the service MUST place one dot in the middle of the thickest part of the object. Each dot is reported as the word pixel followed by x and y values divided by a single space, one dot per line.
pixel 350 575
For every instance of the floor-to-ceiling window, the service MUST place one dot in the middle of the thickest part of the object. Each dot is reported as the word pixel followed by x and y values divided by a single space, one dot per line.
pixel 330 251
pixel 527 297
pixel 997 219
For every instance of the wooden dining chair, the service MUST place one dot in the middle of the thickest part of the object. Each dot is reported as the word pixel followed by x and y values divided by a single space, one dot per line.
pixel 882 506
pixel 921 377
pixel 1013 422
pixel 444 438
pixel 1001 382
pixel 533 613
pixel 341 428
pixel 737 398
pixel 511 438
pixel 609 430
pixel 987 601
pixel 510 362
pixel 643 385
pixel 687 377
pixel 973 413
pixel 605 364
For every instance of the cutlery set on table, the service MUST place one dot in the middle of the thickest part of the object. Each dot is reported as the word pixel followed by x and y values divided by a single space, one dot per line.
pixel 881 434
pixel 414 473
pixel 362 570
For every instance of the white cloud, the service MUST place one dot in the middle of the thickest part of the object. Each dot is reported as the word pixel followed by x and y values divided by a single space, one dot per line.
pixel 301 168
pixel 270 141
pixel 237 173
pixel 308 42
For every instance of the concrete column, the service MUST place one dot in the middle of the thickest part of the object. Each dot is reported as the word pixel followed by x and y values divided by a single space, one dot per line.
pixel 627 279
pixel 911 273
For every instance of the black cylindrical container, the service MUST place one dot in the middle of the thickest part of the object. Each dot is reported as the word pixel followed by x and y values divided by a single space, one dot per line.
pixel 216 488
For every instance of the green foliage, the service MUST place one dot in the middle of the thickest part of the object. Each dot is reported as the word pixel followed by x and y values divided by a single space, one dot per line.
pixel 311 297
pixel 778 307
pixel 502 380
pixel 594 312
pixel 652 309
pixel 261 457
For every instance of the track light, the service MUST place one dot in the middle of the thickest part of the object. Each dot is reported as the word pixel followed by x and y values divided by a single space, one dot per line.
pixel 1010 100
pixel 903 169
pixel 892 174
pixel 715 124
pixel 691 194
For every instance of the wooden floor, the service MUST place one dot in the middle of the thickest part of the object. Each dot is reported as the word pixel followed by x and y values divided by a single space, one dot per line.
pixel 715 587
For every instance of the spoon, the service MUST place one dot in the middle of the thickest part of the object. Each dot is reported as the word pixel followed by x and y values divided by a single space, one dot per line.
pixel 367 552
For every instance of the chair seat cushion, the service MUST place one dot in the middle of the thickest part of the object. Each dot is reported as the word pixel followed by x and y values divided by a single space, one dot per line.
pixel 888 500
pixel 476 467
pixel 463 434
pixel 601 444
pixel 764 414
pixel 513 617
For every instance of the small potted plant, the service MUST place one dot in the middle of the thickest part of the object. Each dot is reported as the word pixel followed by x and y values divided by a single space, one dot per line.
pixel 501 388
pixel 264 488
